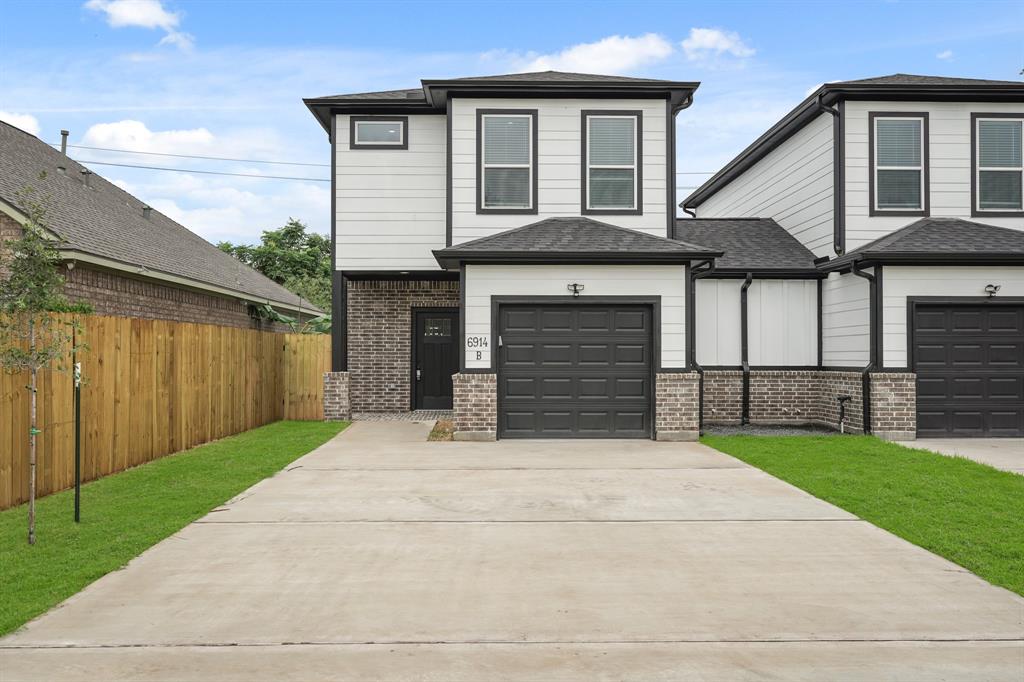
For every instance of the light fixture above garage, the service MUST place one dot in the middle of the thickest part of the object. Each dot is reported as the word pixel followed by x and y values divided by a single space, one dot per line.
pixel 992 289
pixel 575 288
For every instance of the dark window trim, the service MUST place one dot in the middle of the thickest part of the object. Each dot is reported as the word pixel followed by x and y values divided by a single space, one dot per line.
pixel 639 147
pixel 414 312
pixel 947 301
pixel 925 209
pixel 480 209
pixel 352 120
pixel 448 173
pixel 977 212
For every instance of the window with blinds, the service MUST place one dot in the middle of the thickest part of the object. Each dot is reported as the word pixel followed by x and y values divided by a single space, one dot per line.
pixel 899 164
pixel 507 161
pixel 999 166
pixel 612 159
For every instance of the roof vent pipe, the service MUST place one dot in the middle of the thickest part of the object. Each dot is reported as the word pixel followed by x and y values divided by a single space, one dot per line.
pixel 62 169
pixel 146 211
pixel 85 176
pixel 64 142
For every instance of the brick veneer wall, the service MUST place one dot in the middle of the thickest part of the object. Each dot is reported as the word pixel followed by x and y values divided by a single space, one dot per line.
pixel 677 397
pixel 380 337
pixel 894 405
pixel 835 384
pixel 723 396
pixel 337 403
pixel 475 406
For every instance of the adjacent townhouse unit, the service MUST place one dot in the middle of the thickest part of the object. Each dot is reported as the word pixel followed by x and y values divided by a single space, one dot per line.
pixel 508 247
pixel 907 191
pixel 125 258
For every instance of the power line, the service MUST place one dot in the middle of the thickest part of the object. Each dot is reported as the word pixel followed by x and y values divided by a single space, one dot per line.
pixel 204 172
pixel 193 156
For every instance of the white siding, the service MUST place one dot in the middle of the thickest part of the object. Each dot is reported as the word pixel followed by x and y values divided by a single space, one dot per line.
pixel 949 130
pixel 793 184
pixel 667 281
pixel 391 203
pixel 900 282
pixel 558 172
pixel 782 317
pixel 845 321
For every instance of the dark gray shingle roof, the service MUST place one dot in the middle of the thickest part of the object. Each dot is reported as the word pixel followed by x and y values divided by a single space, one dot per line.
pixel 954 237
pixel 572 237
pixel 911 79
pixel 104 220
pixel 387 95
pixel 561 77
pixel 747 243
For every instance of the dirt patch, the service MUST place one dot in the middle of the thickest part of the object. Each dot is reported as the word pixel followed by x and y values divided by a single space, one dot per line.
pixel 444 429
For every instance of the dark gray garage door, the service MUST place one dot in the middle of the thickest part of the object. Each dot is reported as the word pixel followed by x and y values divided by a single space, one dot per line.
pixel 574 371
pixel 969 361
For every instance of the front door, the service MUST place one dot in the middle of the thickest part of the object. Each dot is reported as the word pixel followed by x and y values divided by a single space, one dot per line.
pixel 435 358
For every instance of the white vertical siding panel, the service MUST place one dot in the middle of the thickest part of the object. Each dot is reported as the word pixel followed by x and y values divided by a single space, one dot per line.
pixel 667 281
pixel 718 322
pixel 782 316
pixel 846 321
pixel 793 184
pixel 901 282
pixel 390 204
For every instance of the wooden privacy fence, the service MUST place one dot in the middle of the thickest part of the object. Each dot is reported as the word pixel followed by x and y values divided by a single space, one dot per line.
pixel 151 388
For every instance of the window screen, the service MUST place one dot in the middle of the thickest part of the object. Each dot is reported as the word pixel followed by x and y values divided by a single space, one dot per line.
pixel 899 166
pixel 507 167
pixel 611 162
pixel 999 164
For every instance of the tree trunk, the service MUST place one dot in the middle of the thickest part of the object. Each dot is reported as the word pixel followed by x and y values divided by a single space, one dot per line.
pixel 32 441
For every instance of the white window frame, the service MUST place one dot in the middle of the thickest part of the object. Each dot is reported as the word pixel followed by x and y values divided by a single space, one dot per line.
pixel 920 168
pixel 528 165
pixel 634 166
pixel 367 144
pixel 978 167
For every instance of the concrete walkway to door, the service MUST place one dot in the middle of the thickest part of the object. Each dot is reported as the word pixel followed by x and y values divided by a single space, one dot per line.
pixel 382 556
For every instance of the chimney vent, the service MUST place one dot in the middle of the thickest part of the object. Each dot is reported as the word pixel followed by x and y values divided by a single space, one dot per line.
pixel 146 211
pixel 86 173
pixel 64 142
pixel 62 169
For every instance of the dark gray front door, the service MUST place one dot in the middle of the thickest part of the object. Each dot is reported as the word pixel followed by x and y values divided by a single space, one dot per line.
pixel 435 358
pixel 969 361
pixel 574 371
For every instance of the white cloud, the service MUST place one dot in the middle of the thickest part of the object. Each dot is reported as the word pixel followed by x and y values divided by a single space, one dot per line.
pixel 143 14
pixel 712 42
pixel 611 55
pixel 134 135
pixel 25 122
pixel 945 55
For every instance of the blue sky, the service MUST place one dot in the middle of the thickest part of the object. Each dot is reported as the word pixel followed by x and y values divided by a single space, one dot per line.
pixel 226 78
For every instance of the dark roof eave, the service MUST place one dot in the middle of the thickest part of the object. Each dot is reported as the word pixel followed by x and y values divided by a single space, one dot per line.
pixel 448 259
pixel 437 90
pixel 829 94
pixel 768 273
pixel 918 258
pixel 322 108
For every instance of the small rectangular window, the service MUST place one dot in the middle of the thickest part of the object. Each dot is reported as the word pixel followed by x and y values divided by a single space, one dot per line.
pixel 999 165
pixel 900 160
pixel 507 160
pixel 378 133
pixel 611 162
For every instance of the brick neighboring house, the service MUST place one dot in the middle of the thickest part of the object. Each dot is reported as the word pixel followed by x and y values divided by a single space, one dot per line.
pixel 127 259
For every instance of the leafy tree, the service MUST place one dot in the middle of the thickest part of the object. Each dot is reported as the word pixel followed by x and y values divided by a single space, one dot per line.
pixel 31 336
pixel 293 257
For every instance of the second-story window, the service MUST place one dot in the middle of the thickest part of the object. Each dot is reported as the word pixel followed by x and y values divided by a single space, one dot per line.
pixel 508 159
pixel 612 162
pixel 998 164
pixel 900 164
pixel 372 132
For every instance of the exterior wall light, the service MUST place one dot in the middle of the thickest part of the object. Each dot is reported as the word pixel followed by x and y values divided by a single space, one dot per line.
pixel 992 289
pixel 575 289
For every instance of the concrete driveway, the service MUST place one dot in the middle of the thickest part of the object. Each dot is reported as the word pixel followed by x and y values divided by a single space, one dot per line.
pixel 1002 453
pixel 382 556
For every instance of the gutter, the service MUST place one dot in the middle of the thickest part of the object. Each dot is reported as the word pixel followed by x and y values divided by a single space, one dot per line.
pixel 700 271
pixel 838 173
pixel 873 329
pixel 744 349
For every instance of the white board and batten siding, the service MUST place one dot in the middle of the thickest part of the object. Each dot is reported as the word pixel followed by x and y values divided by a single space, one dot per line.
pixel 390 203
pixel 793 184
pixel 559 131
pixel 902 282
pixel 485 281
pixel 782 320
pixel 949 131
pixel 845 320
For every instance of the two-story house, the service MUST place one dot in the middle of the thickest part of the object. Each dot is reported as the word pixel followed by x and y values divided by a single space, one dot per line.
pixel 508 247
pixel 907 191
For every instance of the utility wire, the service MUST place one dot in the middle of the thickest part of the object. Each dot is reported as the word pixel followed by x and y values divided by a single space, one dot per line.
pixel 192 156
pixel 204 172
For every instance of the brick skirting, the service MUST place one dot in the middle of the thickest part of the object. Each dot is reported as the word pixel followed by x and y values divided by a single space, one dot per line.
pixel 894 405
pixel 475 406
pixel 337 401
pixel 677 396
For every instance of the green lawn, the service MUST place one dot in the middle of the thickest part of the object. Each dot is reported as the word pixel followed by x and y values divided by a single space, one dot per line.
pixel 967 512
pixel 126 513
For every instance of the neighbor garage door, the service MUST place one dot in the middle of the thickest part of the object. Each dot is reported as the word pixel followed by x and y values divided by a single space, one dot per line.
pixel 969 361
pixel 574 371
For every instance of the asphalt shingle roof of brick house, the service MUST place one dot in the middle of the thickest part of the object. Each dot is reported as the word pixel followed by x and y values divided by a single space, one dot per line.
pixel 748 244
pixel 101 219
pixel 573 238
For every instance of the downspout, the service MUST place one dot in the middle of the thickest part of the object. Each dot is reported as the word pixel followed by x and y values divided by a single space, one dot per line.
pixel 744 349
pixel 873 329
pixel 695 274
pixel 689 211
pixel 838 175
